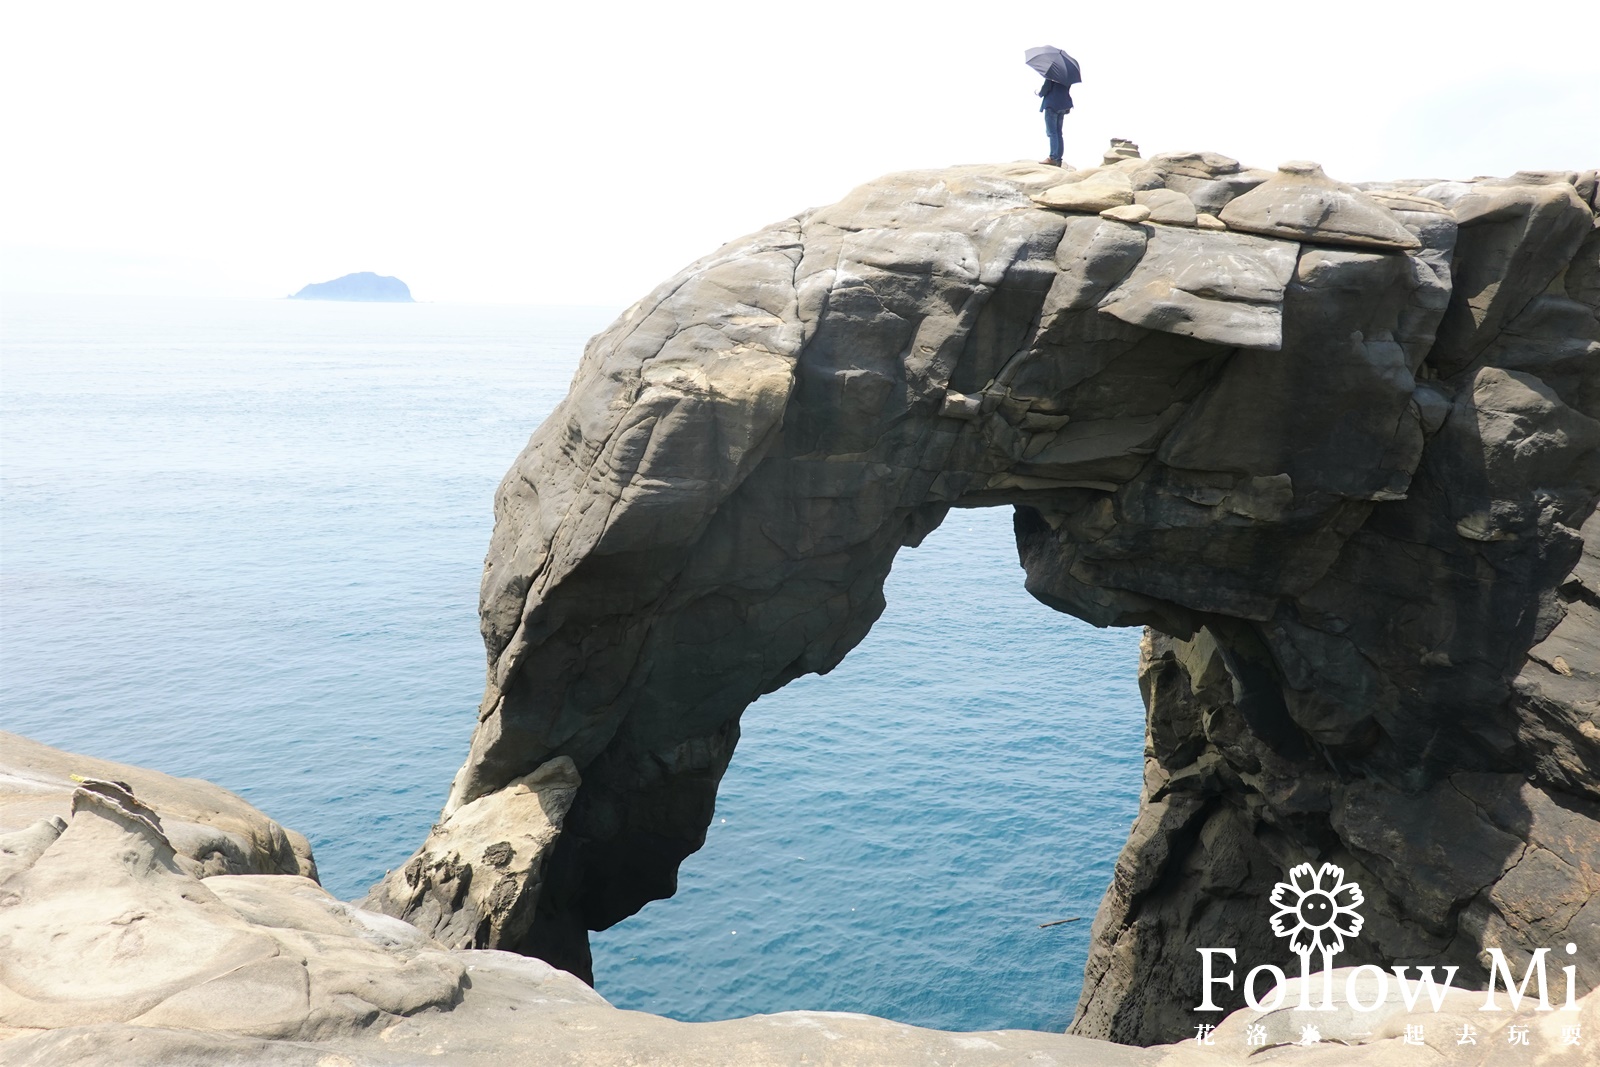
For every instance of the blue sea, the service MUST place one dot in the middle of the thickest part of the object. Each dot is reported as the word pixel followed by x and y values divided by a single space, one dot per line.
pixel 241 540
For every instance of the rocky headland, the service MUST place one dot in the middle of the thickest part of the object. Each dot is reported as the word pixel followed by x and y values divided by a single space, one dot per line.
pixel 1335 447
pixel 361 286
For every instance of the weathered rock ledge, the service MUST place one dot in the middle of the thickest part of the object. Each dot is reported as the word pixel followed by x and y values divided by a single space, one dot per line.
pixel 1336 446
pixel 211 830
pixel 116 950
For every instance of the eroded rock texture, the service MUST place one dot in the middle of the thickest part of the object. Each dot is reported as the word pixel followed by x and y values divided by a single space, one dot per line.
pixel 211 830
pixel 117 948
pixel 116 951
pixel 1337 447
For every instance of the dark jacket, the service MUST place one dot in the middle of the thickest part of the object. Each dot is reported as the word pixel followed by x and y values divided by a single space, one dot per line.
pixel 1055 96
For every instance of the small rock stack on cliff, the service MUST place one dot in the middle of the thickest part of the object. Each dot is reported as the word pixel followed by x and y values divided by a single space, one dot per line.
pixel 1335 445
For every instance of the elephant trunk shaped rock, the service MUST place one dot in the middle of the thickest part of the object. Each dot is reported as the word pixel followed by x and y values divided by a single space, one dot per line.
pixel 1335 446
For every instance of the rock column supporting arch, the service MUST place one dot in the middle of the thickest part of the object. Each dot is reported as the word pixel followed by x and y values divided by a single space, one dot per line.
pixel 1337 447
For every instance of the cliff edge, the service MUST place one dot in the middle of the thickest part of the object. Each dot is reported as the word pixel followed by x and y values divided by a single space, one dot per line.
pixel 1335 446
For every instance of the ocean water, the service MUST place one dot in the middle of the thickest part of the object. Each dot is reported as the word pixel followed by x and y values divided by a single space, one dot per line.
pixel 241 540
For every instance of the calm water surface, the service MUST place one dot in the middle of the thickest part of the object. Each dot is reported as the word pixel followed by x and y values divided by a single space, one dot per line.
pixel 242 539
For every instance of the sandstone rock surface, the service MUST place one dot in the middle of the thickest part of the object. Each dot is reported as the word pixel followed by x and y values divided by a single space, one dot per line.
pixel 1089 190
pixel 476 879
pixel 112 954
pixel 1130 213
pixel 1344 468
pixel 1167 206
pixel 1303 203
pixel 212 831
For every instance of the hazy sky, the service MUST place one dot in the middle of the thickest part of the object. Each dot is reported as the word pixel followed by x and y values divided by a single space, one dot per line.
pixel 580 152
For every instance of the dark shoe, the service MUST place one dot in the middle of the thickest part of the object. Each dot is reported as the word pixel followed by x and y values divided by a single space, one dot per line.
pixel 1051 162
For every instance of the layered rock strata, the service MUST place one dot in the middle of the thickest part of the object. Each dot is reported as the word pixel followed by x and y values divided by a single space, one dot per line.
pixel 1335 445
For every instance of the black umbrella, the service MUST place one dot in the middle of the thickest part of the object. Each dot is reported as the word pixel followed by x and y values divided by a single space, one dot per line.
pixel 1054 64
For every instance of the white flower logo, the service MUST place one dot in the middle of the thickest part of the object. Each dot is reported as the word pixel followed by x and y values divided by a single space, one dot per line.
pixel 1317 909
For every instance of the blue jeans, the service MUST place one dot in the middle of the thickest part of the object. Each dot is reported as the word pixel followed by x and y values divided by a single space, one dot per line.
pixel 1052 126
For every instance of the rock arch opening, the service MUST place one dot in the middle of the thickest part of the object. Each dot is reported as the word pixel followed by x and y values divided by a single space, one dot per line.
pixel 1337 445
pixel 888 838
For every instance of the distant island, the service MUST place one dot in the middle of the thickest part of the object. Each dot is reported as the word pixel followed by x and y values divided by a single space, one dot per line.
pixel 364 285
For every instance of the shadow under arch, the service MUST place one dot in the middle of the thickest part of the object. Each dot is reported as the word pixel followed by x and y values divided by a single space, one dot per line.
pixel 1351 519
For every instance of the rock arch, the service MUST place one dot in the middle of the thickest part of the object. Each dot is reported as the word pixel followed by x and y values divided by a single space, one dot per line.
pixel 1337 448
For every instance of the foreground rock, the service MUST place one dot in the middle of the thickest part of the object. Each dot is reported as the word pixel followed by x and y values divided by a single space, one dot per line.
pixel 211 830
pixel 1335 445
pixel 113 952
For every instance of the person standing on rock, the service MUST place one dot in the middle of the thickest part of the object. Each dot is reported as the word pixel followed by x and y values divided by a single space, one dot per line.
pixel 1060 72
pixel 1055 102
